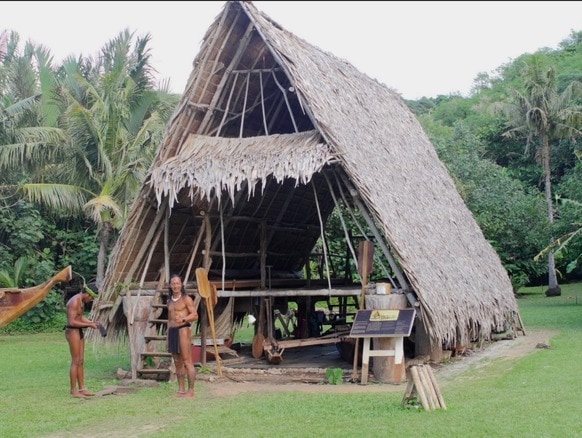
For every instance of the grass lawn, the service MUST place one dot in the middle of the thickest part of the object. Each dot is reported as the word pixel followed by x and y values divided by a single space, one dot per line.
pixel 533 396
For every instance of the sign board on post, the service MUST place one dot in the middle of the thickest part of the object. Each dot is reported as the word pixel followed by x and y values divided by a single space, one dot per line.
pixel 371 323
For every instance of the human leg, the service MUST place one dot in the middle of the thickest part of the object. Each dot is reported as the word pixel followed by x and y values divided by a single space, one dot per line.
pixel 75 347
pixel 180 374
pixel 81 373
pixel 174 348
pixel 186 358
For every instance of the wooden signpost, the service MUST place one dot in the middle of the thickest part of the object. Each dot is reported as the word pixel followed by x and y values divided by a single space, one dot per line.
pixel 370 323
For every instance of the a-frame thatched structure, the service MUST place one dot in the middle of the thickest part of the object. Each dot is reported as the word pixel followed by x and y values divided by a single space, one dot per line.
pixel 270 135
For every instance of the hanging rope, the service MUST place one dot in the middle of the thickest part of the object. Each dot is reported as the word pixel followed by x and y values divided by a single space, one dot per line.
pixel 348 240
pixel 322 235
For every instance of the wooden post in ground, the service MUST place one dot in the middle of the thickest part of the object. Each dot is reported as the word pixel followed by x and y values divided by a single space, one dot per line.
pixel 140 307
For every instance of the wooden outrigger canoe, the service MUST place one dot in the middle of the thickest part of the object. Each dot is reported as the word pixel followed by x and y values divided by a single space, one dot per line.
pixel 16 302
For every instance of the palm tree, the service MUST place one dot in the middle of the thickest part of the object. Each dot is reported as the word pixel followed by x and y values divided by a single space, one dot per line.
pixel 542 116
pixel 113 120
pixel 27 141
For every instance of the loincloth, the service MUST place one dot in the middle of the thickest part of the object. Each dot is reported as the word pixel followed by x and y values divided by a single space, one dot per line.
pixel 81 335
pixel 174 338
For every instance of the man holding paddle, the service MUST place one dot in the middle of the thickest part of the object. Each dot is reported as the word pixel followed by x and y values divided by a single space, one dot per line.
pixel 181 314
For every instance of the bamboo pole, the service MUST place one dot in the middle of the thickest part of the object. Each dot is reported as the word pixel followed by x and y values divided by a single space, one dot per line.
pixel 423 383
pixel 322 228
pixel 428 388
pixel 372 225
pixel 243 43
pixel 167 243
pixel 194 251
pixel 439 395
pixel 419 388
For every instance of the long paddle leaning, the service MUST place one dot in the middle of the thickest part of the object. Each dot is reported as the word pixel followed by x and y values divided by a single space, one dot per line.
pixel 365 263
pixel 205 291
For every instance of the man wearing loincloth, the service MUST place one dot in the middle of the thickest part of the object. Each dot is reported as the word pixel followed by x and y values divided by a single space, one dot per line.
pixel 181 314
pixel 76 323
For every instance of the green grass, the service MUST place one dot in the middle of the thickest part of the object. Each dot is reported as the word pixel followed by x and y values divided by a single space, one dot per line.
pixel 532 396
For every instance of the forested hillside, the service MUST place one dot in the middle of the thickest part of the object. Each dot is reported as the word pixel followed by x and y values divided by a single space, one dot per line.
pixel 499 169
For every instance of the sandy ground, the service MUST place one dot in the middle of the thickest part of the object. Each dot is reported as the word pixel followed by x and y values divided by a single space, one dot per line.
pixel 506 350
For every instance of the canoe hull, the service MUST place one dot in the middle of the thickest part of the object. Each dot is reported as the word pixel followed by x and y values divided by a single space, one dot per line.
pixel 16 302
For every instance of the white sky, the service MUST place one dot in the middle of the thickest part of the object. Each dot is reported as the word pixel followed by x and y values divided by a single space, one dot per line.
pixel 417 48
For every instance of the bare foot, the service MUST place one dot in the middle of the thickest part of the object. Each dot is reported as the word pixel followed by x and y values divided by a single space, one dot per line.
pixel 189 394
pixel 78 395
pixel 86 393
pixel 178 394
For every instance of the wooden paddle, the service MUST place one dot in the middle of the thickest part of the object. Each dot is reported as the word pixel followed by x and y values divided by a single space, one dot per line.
pixel 365 262
pixel 259 338
pixel 270 344
pixel 205 291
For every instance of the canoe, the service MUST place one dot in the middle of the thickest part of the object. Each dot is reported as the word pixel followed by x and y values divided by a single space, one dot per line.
pixel 16 302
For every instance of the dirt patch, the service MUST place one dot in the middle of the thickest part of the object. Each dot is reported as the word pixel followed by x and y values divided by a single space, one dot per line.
pixel 238 381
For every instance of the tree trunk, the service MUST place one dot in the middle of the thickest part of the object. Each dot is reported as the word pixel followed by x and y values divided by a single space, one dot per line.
pixel 553 288
pixel 104 236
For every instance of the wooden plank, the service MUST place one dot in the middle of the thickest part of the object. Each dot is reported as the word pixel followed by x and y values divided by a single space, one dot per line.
pixel 153 371
pixel 308 342
pixel 290 293
pixel 365 361
pixel 253 283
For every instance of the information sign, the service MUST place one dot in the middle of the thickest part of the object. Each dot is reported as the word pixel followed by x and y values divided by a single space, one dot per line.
pixel 382 322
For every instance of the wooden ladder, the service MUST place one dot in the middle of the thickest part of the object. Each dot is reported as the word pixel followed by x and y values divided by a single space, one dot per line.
pixel 154 358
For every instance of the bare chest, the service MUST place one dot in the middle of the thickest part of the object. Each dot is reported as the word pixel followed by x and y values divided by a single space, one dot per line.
pixel 176 305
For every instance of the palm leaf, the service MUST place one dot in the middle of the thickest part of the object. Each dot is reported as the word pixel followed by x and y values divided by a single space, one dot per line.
pixel 60 197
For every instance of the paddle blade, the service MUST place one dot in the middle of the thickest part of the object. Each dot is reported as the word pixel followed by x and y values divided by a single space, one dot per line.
pixel 202 282
pixel 365 259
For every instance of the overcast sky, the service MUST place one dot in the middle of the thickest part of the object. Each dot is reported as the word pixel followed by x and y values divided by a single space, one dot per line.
pixel 417 48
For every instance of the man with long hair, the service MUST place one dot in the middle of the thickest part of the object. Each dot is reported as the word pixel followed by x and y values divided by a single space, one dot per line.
pixel 181 315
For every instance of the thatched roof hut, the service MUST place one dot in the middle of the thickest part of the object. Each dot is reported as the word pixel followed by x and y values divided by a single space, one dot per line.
pixel 270 135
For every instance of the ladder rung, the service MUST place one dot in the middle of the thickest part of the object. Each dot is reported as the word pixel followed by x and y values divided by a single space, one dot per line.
pixel 155 338
pixel 158 321
pixel 153 371
pixel 160 306
pixel 156 354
